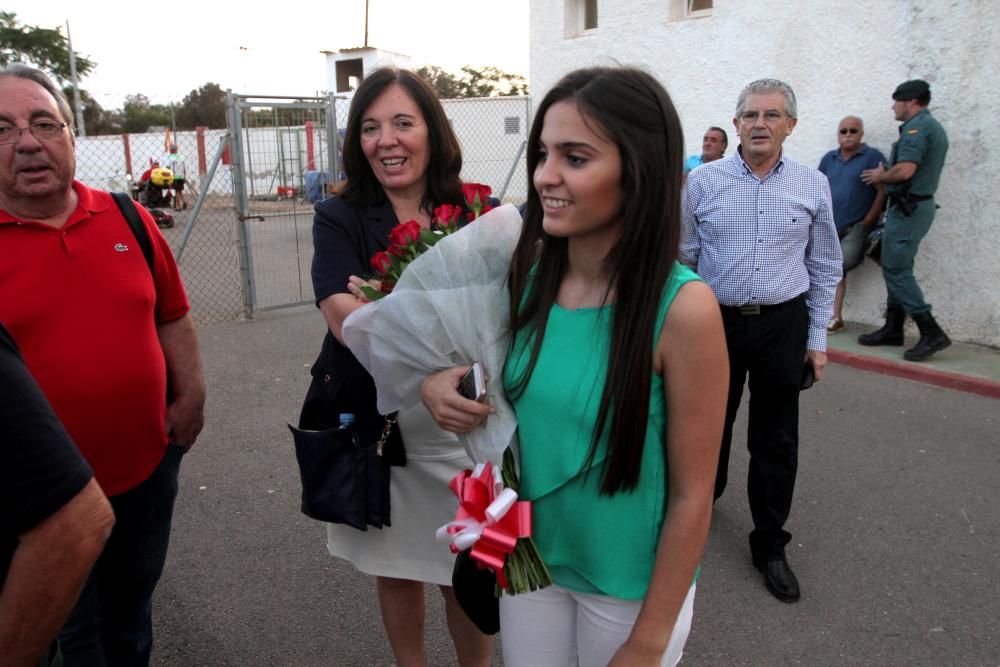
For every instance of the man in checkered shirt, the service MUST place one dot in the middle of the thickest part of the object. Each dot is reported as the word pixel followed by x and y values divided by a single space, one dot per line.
pixel 758 227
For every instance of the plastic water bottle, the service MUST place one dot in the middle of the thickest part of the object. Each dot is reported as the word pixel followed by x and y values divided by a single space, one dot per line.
pixel 347 424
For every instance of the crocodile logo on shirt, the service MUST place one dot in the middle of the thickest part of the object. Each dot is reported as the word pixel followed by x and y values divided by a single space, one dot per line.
pixel 121 247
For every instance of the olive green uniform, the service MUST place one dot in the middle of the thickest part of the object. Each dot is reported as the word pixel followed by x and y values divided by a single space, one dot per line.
pixel 923 141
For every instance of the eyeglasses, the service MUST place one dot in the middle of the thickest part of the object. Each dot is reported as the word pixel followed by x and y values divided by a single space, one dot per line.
pixel 750 117
pixel 43 130
pixel 849 130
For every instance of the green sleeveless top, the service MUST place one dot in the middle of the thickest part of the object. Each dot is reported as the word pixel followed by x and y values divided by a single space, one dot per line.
pixel 591 543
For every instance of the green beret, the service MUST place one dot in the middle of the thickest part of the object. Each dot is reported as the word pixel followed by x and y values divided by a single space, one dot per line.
pixel 911 90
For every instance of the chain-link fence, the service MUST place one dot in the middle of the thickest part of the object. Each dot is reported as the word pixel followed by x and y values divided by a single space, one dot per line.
pixel 244 242
pixel 210 267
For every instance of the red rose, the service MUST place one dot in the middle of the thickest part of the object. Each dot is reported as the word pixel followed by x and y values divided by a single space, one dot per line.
pixel 472 215
pixel 476 194
pixel 405 233
pixel 447 215
pixel 386 286
pixel 397 250
pixel 381 262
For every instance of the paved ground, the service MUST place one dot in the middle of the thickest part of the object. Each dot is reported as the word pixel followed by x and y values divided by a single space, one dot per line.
pixel 963 366
pixel 896 531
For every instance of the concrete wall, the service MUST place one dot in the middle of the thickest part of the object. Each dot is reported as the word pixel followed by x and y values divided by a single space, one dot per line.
pixel 841 58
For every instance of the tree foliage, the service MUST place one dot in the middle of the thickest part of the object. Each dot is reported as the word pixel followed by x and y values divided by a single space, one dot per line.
pixel 447 85
pixel 44 48
pixel 203 106
pixel 473 82
pixel 492 82
pixel 96 119
pixel 138 114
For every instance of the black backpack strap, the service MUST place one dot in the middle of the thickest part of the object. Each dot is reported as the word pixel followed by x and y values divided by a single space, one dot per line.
pixel 135 223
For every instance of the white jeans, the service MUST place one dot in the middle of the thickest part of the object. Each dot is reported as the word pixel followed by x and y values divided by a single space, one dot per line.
pixel 555 627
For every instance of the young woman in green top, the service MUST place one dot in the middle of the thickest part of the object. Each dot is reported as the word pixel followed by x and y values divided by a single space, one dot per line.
pixel 618 373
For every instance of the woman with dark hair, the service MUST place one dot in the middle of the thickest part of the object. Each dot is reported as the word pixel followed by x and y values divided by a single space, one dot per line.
pixel 618 373
pixel 402 160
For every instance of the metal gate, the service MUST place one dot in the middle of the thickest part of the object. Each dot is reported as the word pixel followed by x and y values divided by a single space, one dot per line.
pixel 285 155
pixel 283 159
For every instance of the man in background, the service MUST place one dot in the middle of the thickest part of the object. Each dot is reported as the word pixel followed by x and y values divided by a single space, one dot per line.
pixel 856 205
pixel 758 227
pixel 713 147
pixel 174 161
pixel 910 182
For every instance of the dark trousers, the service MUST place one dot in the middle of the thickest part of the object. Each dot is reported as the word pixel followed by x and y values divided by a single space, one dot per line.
pixel 900 243
pixel 771 348
pixel 112 623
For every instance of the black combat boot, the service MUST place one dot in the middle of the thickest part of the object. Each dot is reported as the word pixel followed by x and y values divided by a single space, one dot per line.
pixel 932 338
pixel 891 332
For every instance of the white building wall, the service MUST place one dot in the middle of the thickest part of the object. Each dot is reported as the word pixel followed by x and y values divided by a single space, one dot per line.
pixel 841 58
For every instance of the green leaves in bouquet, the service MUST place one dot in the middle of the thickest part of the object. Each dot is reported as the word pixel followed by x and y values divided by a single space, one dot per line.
pixel 524 568
pixel 372 294
pixel 429 238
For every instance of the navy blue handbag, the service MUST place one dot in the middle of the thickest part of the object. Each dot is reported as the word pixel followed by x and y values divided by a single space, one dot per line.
pixel 343 480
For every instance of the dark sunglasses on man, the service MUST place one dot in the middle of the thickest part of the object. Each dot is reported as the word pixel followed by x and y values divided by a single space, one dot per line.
pixel 851 130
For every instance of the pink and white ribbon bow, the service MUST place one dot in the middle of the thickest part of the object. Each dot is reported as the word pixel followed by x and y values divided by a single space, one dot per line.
pixel 490 518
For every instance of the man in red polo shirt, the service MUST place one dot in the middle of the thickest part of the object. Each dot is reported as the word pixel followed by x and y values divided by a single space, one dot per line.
pixel 103 333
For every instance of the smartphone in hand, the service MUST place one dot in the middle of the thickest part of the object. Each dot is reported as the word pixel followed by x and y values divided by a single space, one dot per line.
pixel 473 383
pixel 808 376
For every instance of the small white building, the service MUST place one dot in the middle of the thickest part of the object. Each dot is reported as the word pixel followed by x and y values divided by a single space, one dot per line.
pixel 346 68
pixel 841 58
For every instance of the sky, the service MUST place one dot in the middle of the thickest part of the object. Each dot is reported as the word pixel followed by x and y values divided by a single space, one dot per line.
pixel 165 50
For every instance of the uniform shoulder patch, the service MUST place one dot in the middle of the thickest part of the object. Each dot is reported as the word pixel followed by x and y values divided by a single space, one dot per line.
pixel 913 131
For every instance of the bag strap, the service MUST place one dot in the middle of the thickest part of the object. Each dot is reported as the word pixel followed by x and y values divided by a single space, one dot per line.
pixel 131 215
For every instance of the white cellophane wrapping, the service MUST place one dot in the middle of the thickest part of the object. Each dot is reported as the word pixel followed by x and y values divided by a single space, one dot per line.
pixel 450 308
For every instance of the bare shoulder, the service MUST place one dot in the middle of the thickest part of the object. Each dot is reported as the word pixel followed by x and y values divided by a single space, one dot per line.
pixel 692 329
pixel 693 309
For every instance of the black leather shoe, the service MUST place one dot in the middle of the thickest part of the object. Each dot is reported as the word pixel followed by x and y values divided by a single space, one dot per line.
pixel 778 577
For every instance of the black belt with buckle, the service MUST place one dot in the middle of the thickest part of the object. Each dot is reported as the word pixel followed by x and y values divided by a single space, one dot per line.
pixel 760 308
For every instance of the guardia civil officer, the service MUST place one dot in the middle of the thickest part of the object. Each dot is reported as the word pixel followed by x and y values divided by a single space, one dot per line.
pixel 910 182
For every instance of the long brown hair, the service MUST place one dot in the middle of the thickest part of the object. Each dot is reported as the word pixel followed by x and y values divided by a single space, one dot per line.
pixel 634 111
pixel 445 164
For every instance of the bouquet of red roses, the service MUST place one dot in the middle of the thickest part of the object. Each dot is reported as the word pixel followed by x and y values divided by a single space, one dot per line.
pixel 410 240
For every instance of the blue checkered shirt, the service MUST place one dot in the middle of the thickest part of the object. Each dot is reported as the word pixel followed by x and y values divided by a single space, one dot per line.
pixel 764 241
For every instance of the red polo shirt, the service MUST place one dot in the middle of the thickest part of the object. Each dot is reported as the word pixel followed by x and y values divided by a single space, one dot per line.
pixel 83 307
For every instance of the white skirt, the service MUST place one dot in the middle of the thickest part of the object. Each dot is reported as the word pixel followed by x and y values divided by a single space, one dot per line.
pixel 420 502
